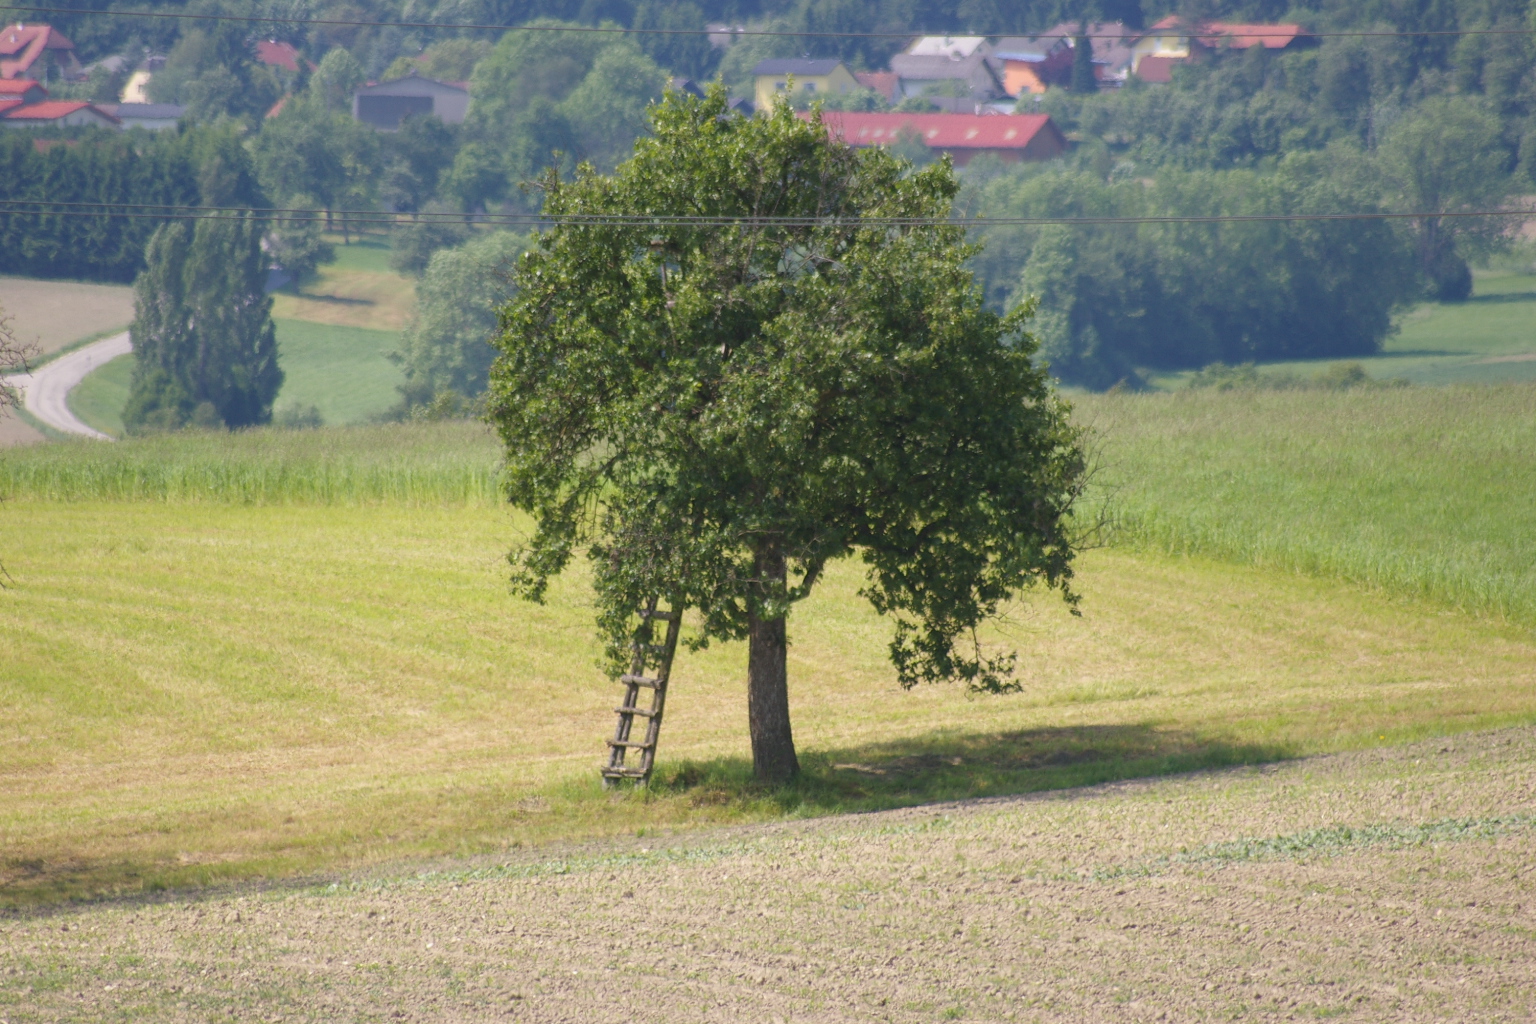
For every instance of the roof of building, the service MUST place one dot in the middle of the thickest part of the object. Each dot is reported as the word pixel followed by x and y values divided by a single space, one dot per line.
pixel 1031 49
pixel 9 103
pixel 940 131
pixel 17 86
pixel 413 79
pixel 277 55
pixel 882 82
pixel 795 66
pixel 1111 41
pixel 52 110
pixel 21 45
pixel 947 46
pixel 1227 33
pixel 1158 69
pixel 155 111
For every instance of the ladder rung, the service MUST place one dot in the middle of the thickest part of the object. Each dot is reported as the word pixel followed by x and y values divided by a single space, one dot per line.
pixel 623 773
pixel 643 712
pixel 634 680
pixel 663 616
pixel 637 744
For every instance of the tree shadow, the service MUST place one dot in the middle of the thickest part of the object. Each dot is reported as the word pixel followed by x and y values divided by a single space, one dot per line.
pixel 947 766
pixel 1498 298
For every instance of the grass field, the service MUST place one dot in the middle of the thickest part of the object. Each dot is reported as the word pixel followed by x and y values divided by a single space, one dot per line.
pixel 357 290
pixel 341 371
pixel 1421 491
pixel 56 314
pixel 274 651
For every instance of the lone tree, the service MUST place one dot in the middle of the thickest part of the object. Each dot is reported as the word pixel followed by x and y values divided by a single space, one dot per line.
pixel 754 349
pixel 202 329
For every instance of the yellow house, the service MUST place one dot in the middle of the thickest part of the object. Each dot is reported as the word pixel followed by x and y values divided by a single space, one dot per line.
pixel 811 77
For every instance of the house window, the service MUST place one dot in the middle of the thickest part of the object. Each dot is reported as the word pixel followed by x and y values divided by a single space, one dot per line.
pixel 810 86
pixel 779 86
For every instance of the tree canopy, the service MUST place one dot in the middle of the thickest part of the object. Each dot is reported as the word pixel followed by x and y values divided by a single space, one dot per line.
pixel 715 411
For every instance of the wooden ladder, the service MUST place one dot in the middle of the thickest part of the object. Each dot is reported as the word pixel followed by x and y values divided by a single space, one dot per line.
pixel 646 654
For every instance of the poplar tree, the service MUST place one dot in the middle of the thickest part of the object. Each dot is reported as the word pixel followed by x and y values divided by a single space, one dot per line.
pixel 203 331
pixel 718 402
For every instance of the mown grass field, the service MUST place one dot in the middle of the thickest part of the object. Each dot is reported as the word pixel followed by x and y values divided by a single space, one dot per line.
pixel 280 651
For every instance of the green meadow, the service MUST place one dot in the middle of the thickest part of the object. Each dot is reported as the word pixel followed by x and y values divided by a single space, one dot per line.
pixel 276 651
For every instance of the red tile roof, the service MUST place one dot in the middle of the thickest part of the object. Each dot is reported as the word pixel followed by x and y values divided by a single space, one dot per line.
pixel 1158 69
pixel 277 55
pixel 8 103
pixel 51 110
pixel 18 86
pixel 1240 36
pixel 941 131
pixel 21 45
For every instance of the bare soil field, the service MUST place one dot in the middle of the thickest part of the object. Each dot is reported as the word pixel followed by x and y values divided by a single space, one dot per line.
pixel 1394 884
pixel 56 313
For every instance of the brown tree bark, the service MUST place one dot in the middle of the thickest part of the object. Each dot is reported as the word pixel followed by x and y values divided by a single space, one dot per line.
pixel 773 743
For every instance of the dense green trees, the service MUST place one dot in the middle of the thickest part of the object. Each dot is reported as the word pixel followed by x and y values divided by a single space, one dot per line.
pixel 446 352
pixel 205 165
pixel 1118 297
pixel 202 331
pixel 716 412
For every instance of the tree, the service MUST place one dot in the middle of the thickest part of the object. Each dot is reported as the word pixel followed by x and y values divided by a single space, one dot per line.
pixel 13 359
pixel 202 330
pixel 716 411
pixel 1448 156
pixel 447 350
pixel 1083 78
pixel 336 79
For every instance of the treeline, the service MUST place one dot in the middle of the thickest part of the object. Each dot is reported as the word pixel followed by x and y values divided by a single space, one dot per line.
pixel 67 170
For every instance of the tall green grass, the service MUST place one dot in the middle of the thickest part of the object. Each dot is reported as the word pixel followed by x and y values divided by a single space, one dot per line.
pixel 410 463
pixel 1426 491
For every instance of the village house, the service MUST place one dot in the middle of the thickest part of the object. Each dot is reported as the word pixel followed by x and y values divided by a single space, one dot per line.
pixel 811 77
pixel 38 52
pixel 1173 41
pixel 55 114
pixel 955 73
pixel 155 117
pixel 385 104
pixel 1012 138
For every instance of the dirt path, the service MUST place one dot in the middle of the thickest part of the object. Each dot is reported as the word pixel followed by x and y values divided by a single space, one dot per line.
pixel 45 391
pixel 1400 888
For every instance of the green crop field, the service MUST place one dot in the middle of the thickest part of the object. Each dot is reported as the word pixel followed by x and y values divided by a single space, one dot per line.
pixel 341 371
pixel 277 651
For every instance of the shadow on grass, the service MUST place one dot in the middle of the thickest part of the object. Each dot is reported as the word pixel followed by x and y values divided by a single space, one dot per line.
pixel 958 767
pixel 1498 298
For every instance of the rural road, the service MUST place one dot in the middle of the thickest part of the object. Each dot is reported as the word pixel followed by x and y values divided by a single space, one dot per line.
pixel 45 389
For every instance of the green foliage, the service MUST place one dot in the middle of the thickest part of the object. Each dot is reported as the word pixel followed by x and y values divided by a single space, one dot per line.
pixel 202 333
pixel 1083 78
pixel 296 244
pixel 546 100
pixel 415 159
pixel 1334 377
pixel 411 245
pixel 447 349
pixel 309 149
pixel 1115 298
pixel 337 77
pixel 1446 156
pixel 717 412
pixel 214 72
pixel 689 55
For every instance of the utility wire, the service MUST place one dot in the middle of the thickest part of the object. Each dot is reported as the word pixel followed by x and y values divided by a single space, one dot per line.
pixel 618 30
pixel 169 211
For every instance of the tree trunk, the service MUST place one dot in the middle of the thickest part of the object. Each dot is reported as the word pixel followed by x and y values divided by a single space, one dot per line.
pixel 773 744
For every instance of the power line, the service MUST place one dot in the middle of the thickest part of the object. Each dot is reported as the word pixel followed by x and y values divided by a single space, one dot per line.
pixel 169 211
pixel 734 32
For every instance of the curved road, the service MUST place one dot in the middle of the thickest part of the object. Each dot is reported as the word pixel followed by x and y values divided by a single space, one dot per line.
pixel 46 389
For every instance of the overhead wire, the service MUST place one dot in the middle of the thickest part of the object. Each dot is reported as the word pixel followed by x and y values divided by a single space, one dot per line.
pixel 722 30
pixel 354 217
